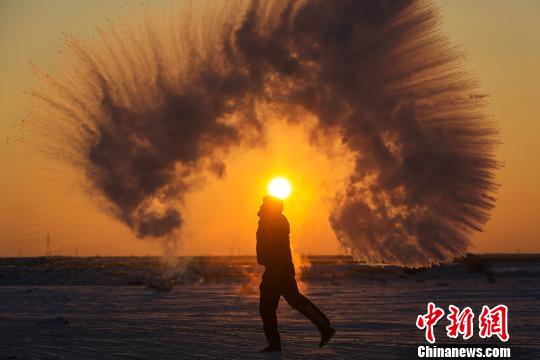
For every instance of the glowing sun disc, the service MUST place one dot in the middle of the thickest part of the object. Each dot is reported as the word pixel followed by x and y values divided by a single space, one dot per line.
pixel 280 188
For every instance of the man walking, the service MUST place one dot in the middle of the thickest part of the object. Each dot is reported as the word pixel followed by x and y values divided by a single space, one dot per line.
pixel 274 252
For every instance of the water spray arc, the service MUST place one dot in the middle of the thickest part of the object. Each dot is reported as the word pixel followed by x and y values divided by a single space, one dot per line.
pixel 148 104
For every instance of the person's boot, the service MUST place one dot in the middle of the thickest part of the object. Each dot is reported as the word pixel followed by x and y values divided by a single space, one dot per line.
pixel 326 335
pixel 271 348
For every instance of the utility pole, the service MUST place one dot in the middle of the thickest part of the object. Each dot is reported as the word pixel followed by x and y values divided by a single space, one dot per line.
pixel 48 245
pixel 76 252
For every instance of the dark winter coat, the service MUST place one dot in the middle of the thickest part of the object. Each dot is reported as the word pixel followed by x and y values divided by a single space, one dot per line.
pixel 273 246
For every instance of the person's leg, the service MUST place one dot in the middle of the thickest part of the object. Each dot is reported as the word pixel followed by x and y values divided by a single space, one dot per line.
pixel 302 304
pixel 268 304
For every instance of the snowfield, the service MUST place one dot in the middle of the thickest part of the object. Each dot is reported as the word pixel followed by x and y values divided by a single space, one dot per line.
pixel 207 308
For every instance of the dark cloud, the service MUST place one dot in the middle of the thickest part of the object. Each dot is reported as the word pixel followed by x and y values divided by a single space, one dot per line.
pixel 379 72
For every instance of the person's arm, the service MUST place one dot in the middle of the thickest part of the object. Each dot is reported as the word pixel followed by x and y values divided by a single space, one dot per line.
pixel 286 245
pixel 259 245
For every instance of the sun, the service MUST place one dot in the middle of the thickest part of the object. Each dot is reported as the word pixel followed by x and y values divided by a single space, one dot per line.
pixel 279 187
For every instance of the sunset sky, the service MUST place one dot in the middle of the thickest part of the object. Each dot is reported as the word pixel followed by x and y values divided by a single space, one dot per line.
pixel 41 196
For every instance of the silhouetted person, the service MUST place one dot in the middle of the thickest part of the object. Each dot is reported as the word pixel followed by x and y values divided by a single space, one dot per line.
pixel 274 252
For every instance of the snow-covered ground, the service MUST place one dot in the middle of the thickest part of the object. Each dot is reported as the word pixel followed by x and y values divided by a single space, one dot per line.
pixel 98 308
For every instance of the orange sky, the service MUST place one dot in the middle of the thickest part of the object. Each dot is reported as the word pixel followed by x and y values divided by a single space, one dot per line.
pixel 39 196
